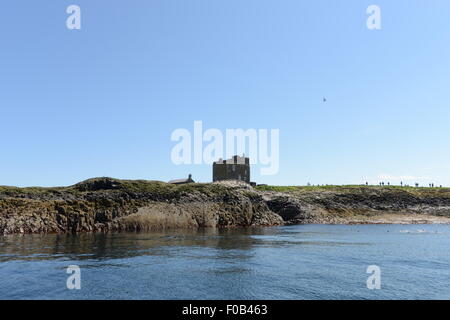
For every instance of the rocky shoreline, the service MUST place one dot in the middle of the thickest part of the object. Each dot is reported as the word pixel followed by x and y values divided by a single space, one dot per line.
pixel 106 204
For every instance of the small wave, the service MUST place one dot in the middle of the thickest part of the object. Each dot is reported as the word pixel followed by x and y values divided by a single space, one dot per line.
pixel 420 231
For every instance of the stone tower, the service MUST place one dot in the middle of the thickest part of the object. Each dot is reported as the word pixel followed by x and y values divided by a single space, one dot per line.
pixel 236 168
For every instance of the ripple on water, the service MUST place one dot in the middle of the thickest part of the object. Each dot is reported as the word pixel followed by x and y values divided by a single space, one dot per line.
pixel 289 262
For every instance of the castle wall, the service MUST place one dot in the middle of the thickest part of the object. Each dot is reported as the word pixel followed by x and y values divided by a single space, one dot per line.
pixel 237 168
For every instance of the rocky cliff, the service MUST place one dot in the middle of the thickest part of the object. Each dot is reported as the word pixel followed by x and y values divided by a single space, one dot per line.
pixel 359 204
pixel 105 204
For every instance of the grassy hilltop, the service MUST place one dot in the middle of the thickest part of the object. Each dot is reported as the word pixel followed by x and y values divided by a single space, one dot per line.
pixel 417 191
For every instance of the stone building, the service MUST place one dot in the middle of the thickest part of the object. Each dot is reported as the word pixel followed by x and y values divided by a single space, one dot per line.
pixel 182 181
pixel 236 168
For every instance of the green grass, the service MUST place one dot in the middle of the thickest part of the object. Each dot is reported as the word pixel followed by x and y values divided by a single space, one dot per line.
pixel 310 188
pixel 31 190
pixel 138 186
pixel 162 188
pixel 424 191
pixel 158 187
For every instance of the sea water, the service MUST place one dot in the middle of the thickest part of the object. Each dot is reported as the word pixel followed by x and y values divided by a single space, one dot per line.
pixel 288 262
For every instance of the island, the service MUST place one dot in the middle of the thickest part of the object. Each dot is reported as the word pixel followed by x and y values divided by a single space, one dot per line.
pixel 107 204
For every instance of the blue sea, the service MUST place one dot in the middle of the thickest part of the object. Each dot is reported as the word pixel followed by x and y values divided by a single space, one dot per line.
pixel 288 262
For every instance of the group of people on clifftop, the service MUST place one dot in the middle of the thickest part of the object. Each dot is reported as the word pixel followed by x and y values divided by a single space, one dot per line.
pixel 417 185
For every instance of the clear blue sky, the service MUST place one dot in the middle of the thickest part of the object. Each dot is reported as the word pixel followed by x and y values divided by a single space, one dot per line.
pixel 104 100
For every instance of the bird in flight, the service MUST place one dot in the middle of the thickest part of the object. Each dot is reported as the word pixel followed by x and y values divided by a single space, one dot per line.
pixel 324 100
